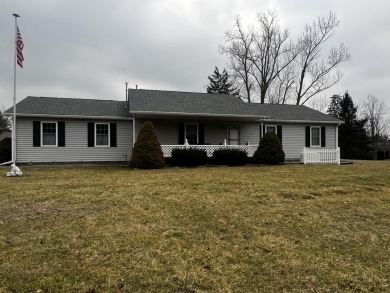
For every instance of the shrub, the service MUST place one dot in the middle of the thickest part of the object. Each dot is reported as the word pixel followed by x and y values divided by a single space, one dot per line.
pixel 5 150
pixel 190 157
pixel 387 155
pixel 147 152
pixel 380 155
pixel 230 157
pixel 270 150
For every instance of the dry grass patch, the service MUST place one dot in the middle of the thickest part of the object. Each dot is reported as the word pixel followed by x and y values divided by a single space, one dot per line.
pixel 289 228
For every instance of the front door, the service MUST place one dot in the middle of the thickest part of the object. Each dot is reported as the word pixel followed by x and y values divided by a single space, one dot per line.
pixel 234 134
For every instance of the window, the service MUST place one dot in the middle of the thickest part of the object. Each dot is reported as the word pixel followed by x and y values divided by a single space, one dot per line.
pixel 102 134
pixel 192 133
pixel 315 136
pixel 49 133
pixel 270 128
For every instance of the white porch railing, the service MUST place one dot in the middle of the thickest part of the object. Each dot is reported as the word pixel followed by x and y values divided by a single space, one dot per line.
pixel 250 149
pixel 320 156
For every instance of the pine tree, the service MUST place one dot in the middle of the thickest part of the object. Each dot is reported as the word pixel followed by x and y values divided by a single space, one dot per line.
pixel 353 139
pixel 147 152
pixel 220 84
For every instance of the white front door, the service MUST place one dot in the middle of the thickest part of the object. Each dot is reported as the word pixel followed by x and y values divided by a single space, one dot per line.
pixel 234 134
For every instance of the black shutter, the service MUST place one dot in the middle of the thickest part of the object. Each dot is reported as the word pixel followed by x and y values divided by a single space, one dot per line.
pixel 112 134
pixel 61 133
pixel 36 133
pixel 201 133
pixel 323 142
pixel 307 136
pixel 181 133
pixel 91 134
pixel 279 132
pixel 263 131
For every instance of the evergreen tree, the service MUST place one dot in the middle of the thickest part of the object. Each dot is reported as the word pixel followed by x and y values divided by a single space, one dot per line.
pixel 353 139
pixel 220 84
pixel 147 152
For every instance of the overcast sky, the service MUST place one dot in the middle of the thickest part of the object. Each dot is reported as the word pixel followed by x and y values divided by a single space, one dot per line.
pixel 90 48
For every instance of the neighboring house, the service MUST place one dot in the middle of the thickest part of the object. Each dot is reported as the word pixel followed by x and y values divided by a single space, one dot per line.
pixel 75 130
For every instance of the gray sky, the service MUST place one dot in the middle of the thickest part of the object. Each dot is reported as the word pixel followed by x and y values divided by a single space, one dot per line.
pixel 90 48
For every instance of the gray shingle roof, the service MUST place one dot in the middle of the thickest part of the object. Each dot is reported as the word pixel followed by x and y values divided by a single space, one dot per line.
pixel 183 102
pixel 163 102
pixel 71 107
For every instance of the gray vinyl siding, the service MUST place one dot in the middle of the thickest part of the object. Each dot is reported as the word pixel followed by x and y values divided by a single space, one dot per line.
pixel 215 133
pixel 76 143
pixel 293 140
pixel 250 133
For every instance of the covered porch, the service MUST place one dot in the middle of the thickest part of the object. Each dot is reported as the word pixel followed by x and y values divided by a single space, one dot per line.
pixel 248 148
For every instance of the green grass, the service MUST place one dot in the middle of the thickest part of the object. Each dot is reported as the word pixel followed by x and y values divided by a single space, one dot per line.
pixel 290 228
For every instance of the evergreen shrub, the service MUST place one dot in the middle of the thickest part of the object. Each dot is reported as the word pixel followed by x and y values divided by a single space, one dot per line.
pixel 190 157
pixel 5 150
pixel 270 150
pixel 380 155
pixel 387 155
pixel 230 157
pixel 147 152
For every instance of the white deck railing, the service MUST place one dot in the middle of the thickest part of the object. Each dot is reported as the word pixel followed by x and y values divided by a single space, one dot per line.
pixel 250 149
pixel 320 156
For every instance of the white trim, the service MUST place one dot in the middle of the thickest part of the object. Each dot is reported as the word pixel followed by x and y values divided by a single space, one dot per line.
pixel 311 140
pixel 70 116
pixel 198 114
pixel 108 134
pixel 197 131
pixel 49 122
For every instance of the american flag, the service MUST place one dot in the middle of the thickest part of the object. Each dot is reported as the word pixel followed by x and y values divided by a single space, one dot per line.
pixel 19 48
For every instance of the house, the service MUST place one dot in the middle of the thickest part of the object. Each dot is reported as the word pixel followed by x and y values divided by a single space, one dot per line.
pixel 82 130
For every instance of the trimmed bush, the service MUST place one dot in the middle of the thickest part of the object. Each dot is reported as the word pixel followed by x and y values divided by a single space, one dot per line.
pixel 5 150
pixel 230 157
pixel 190 157
pixel 147 152
pixel 387 155
pixel 270 150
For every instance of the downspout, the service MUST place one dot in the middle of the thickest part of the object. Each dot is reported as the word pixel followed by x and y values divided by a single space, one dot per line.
pixel 261 128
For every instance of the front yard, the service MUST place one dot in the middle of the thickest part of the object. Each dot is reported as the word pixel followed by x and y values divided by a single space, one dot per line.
pixel 291 228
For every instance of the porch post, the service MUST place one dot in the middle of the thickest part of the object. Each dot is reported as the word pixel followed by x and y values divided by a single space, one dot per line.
pixel 337 136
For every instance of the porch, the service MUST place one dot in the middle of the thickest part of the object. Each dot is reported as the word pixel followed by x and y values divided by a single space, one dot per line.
pixel 248 148
pixel 320 155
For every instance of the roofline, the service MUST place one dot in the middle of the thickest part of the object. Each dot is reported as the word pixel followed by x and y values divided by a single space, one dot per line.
pixel 69 116
pixel 305 121
pixel 196 114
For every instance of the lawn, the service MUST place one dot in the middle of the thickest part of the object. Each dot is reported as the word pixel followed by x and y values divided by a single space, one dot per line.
pixel 290 228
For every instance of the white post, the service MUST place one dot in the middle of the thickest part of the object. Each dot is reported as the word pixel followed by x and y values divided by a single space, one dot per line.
pixel 224 142
pixel 14 99
pixel 15 171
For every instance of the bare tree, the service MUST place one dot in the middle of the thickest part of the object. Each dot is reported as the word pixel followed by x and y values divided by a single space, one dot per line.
pixel 238 50
pixel 315 74
pixel 281 90
pixel 272 52
pixel 375 112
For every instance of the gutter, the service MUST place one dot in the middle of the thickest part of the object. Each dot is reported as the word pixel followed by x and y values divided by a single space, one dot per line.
pixel 156 113
pixel 70 116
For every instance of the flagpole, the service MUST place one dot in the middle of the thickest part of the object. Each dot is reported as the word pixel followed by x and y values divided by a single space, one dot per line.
pixel 15 171
pixel 14 116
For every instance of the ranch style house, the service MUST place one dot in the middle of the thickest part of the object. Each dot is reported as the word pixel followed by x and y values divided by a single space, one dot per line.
pixel 83 130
